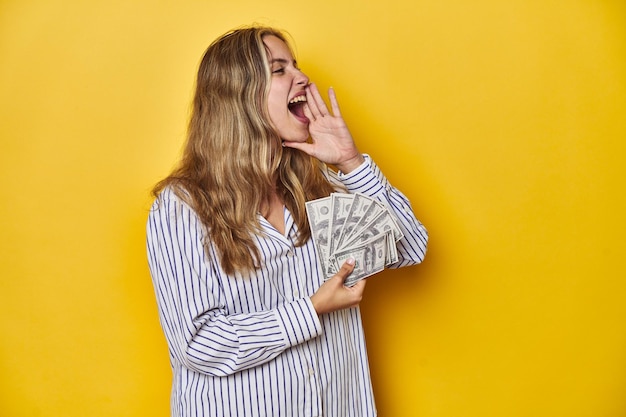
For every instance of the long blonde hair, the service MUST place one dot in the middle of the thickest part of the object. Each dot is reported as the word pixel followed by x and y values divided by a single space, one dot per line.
pixel 233 158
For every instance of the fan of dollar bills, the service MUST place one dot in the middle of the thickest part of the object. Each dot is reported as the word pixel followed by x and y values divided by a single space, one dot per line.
pixel 353 226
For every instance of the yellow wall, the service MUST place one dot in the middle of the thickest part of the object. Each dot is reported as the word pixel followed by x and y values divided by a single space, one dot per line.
pixel 503 121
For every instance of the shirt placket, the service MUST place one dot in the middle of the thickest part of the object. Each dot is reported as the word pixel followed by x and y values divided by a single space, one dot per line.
pixel 313 399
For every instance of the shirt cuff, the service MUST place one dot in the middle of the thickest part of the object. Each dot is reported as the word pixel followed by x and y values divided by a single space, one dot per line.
pixel 364 166
pixel 366 179
pixel 300 321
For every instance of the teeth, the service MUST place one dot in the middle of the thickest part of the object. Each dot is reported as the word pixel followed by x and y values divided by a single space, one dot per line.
pixel 298 99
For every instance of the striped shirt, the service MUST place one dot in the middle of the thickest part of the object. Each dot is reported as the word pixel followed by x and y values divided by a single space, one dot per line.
pixel 255 346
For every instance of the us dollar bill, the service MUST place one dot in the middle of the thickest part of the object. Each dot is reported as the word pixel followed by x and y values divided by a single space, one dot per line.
pixel 374 209
pixel 339 208
pixel 358 208
pixel 369 259
pixel 318 213
pixel 353 226
pixel 382 224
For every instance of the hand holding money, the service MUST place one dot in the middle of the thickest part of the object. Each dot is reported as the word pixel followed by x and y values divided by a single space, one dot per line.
pixel 334 295
pixel 354 226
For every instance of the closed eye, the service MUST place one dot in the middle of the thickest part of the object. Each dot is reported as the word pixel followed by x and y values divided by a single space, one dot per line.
pixel 283 64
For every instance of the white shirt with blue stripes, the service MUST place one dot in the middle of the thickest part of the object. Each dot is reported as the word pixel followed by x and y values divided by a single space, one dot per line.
pixel 255 346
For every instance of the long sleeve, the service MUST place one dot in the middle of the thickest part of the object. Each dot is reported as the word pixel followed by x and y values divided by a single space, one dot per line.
pixel 254 346
pixel 369 180
pixel 192 300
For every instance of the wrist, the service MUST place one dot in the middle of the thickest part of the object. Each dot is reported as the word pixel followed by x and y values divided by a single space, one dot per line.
pixel 315 303
pixel 351 164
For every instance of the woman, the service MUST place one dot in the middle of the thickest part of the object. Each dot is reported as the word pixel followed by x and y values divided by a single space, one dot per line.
pixel 253 328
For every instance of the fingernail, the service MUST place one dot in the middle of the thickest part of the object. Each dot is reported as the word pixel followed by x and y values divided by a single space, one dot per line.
pixel 350 261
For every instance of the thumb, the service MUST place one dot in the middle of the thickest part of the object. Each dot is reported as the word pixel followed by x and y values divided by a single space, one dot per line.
pixel 346 269
pixel 301 146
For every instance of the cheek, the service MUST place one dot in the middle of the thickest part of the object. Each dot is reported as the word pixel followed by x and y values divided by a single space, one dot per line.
pixel 275 113
pixel 275 103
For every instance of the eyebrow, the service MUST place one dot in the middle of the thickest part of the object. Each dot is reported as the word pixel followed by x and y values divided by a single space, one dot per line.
pixel 283 61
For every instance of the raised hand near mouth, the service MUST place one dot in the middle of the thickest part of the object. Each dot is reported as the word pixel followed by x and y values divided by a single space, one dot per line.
pixel 331 141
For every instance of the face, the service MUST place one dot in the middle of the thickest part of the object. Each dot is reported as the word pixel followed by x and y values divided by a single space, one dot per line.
pixel 286 99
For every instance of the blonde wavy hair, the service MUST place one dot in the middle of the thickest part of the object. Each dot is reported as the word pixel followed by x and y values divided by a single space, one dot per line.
pixel 233 157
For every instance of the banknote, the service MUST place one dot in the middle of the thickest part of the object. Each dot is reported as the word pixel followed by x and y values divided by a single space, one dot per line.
pixel 369 259
pixel 339 208
pixel 383 223
pixel 360 207
pixel 353 226
pixel 318 213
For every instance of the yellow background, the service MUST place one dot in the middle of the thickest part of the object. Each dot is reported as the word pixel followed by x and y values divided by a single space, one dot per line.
pixel 502 121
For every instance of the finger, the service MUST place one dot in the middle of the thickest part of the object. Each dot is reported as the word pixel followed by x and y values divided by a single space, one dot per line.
pixel 318 100
pixel 334 104
pixel 301 146
pixel 356 292
pixel 359 287
pixel 337 280
pixel 311 104
pixel 308 112
pixel 347 268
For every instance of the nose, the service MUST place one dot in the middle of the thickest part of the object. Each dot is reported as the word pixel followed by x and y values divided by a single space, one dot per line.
pixel 301 78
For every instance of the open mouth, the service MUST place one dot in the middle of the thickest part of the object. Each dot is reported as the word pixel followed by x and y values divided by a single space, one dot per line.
pixel 296 107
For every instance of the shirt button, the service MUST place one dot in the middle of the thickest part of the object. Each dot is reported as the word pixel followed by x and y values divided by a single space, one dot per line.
pixel 311 371
pixel 296 294
pixel 290 254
